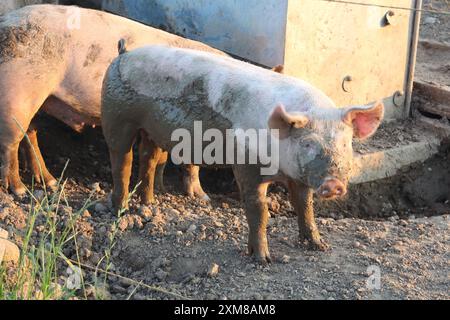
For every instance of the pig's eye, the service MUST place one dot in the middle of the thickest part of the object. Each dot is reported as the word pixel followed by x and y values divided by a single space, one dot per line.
pixel 308 145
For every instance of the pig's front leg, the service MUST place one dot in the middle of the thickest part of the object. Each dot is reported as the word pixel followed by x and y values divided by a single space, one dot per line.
pixel 253 194
pixel 302 199
pixel 192 183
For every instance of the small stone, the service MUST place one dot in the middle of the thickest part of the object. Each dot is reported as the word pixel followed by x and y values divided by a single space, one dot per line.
pixel 161 275
pixel 86 214
pixel 96 187
pixel 274 205
pixel 213 270
pixel 3 234
pixel 357 244
pixel 257 296
pixel 285 259
pixel 100 208
pixel 430 20
pixel 95 258
pixel 146 213
pixel 102 230
pixel 9 252
pixel 123 224
pixel 172 214
pixel 125 282
pixel 179 233
pixel 192 228
pixel 403 223
pixel 39 194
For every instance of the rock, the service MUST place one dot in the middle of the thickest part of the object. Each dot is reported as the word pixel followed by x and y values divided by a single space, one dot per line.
pixel 9 252
pixel 161 275
pixel 213 270
pixel 100 208
pixel 3 234
pixel 95 258
pixel 430 20
pixel 274 205
pixel 39 194
pixel 96 187
pixel 125 282
pixel 172 214
pixel 192 228
pixel 123 224
pixel 285 259
pixel 146 213
pixel 86 214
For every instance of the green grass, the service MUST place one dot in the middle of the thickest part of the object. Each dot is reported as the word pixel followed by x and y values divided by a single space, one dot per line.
pixel 42 264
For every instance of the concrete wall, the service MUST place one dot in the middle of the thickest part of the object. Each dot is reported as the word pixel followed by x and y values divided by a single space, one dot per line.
pixel 8 5
pixel 251 29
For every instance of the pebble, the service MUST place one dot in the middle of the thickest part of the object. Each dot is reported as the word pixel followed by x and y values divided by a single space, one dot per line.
pixel 39 194
pixel 100 207
pixel 285 259
pixel 3 234
pixel 430 20
pixel 146 213
pixel 213 270
pixel 161 275
pixel 96 187
pixel 192 228
pixel 86 214
pixel 123 224
pixel 9 252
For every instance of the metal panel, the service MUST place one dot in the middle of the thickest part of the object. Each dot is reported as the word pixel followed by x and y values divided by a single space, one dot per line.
pixel 328 42
pixel 252 29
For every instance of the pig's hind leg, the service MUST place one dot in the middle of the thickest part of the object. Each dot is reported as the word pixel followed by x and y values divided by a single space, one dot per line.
pixel 301 198
pixel 159 175
pixel 120 139
pixel 35 160
pixel 149 157
pixel 253 194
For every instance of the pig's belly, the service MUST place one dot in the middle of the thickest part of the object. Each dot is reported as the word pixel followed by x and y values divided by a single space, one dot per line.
pixel 168 121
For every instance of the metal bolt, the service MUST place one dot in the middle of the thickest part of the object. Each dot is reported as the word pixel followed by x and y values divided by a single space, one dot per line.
pixel 345 83
pixel 397 98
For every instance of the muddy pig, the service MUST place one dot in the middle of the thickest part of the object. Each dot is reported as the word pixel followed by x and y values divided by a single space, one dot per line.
pixel 158 90
pixel 53 58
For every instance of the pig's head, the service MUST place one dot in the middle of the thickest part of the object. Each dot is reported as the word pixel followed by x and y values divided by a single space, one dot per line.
pixel 316 148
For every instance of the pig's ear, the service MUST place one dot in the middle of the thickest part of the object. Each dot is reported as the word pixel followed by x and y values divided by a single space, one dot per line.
pixel 278 69
pixel 284 121
pixel 364 120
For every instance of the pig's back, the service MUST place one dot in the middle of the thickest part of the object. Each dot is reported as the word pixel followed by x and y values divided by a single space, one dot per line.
pixel 164 73
pixel 76 43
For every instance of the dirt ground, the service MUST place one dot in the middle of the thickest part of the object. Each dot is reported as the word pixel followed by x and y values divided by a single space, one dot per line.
pixel 398 226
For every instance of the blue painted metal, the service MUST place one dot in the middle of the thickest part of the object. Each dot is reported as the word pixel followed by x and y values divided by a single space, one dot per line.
pixel 251 29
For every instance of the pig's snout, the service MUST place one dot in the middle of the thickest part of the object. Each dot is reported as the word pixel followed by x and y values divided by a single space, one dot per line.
pixel 332 188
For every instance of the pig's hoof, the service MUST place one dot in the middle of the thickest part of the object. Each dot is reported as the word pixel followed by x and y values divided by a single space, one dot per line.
pixel 52 184
pixel 264 260
pixel 19 192
pixel 316 244
pixel 262 256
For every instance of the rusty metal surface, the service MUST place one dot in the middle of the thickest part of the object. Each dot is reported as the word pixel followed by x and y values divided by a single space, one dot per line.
pixel 327 43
